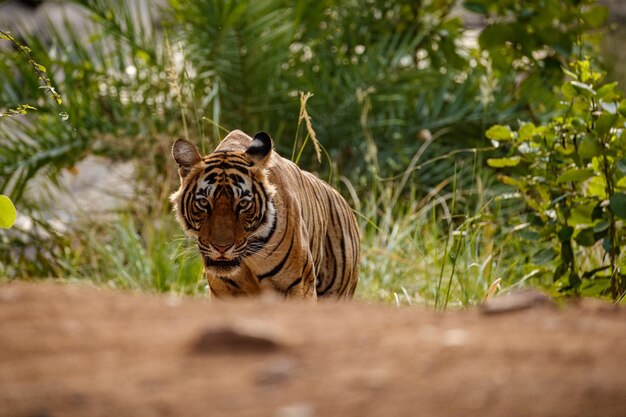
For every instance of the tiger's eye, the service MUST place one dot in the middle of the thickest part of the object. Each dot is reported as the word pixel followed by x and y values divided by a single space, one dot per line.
pixel 202 202
pixel 244 205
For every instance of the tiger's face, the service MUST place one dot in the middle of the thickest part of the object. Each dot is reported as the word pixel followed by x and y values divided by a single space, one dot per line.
pixel 224 201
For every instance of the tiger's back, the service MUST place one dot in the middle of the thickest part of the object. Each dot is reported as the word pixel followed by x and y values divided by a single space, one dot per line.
pixel 333 234
pixel 305 242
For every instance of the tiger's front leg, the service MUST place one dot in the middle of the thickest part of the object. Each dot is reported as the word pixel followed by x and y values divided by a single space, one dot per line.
pixel 297 280
pixel 304 286
pixel 242 283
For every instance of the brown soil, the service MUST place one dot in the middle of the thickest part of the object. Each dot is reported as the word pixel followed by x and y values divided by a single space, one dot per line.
pixel 78 351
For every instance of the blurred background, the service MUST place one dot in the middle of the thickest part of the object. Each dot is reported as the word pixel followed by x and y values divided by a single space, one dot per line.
pixel 401 95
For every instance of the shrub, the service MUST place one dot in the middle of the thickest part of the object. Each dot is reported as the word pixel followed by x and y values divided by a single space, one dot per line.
pixel 571 173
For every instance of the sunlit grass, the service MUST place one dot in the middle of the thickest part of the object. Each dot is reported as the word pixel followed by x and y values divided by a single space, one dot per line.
pixel 433 250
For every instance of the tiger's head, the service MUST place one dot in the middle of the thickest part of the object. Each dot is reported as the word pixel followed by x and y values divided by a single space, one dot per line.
pixel 225 201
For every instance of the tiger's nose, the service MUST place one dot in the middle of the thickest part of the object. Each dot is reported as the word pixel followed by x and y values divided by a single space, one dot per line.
pixel 222 248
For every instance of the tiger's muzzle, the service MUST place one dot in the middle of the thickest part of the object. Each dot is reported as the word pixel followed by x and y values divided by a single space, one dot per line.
pixel 222 265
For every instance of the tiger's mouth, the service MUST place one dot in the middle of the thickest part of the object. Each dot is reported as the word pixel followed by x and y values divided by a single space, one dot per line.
pixel 221 263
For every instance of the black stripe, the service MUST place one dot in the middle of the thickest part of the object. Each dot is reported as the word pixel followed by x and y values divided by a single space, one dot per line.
pixel 238 179
pixel 211 177
pixel 293 284
pixel 344 272
pixel 278 267
pixel 229 282
pixel 185 210
pixel 260 197
pixel 334 269
pixel 225 166
pixel 231 156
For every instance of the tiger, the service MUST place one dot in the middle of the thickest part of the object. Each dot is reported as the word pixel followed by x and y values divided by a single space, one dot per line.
pixel 263 225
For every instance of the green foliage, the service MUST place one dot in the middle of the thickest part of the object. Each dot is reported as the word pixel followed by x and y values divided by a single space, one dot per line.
pixel 20 109
pixel 572 176
pixel 387 70
pixel 527 42
pixel 115 86
pixel 38 69
pixel 397 102
pixel 16 171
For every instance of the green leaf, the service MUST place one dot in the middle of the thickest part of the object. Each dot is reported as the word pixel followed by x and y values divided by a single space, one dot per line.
pixel 581 214
pixel 617 203
pixel 143 55
pixel 526 131
pixel 499 132
pixel 588 147
pixel 503 162
pixel 621 183
pixel 585 237
pixel 575 175
pixel 597 187
pixel 607 91
pixel 559 272
pixel 509 181
pixel 569 73
pixel 601 227
pixel 7 212
pixel 583 88
pixel 569 149
pixel 605 122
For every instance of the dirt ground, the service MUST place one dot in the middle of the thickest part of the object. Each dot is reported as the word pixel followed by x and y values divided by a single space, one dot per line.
pixel 68 350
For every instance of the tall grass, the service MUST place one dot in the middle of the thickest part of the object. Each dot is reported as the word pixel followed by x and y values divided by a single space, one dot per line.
pixel 447 248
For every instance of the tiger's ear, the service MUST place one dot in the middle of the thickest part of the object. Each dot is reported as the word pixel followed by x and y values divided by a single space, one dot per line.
pixel 260 149
pixel 186 156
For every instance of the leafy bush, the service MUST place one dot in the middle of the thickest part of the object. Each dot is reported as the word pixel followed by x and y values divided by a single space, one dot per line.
pixel 527 43
pixel 571 173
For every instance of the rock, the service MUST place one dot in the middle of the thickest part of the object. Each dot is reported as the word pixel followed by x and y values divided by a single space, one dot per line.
pixel 515 301
pixel 241 337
